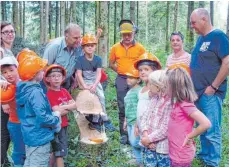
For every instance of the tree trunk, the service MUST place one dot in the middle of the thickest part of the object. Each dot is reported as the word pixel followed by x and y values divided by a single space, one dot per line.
pixel 146 23
pixel 57 29
pixel 46 26
pixel 228 20
pixel 108 27
pixel 16 17
pixel 73 6
pixel 122 10
pixel 189 33
pixel 23 20
pixel 97 22
pixel 175 16
pixel 3 10
pixel 62 17
pixel 66 13
pixel 103 50
pixel 50 19
pixel 115 18
pixel 132 11
pixel 212 11
pixel 42 22
pixel 84 13
pixel 201 4
pixel 137 12
pixel 167 28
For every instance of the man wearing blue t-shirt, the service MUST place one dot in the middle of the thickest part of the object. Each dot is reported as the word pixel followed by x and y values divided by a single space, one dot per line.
pixel 210 67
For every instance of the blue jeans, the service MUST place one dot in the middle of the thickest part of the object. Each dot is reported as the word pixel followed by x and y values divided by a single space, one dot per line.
pixel 211 140
pixel 153 159
pixel 134 142
pixel 18 154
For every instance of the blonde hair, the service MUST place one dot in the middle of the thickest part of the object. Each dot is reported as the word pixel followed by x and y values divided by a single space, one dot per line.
pixel 158 78
pixel 181 86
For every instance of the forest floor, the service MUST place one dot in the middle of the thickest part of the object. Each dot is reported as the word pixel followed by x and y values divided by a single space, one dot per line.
pixel 113 154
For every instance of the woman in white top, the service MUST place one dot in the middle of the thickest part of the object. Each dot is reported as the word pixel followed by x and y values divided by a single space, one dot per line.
pixel 179 55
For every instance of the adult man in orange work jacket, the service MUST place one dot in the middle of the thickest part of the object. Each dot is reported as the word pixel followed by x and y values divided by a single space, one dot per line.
pixel 122 55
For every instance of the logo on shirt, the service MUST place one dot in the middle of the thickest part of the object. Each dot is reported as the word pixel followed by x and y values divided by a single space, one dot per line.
pixel 205 46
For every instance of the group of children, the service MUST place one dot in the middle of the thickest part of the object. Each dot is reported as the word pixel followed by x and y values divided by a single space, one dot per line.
pixel 160 115
pixel 38 121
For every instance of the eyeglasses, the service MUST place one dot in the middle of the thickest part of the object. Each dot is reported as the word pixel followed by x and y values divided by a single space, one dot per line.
pixel 55 76
pixel 8 32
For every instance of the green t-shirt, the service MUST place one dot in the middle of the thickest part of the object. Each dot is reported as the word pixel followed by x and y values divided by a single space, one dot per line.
pixel 131 103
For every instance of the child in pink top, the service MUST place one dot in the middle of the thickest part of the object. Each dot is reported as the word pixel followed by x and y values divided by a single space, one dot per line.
pixel 184 114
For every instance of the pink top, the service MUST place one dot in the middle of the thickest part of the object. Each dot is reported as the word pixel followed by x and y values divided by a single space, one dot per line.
pixel 185 58
pixel 180 124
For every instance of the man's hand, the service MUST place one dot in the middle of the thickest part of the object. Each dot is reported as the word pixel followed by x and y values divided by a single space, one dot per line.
pixel 99 33
pixel 209 91
pixel 136 130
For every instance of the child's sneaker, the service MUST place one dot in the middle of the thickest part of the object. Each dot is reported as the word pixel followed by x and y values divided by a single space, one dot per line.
pixel 95 126
pixel 108 126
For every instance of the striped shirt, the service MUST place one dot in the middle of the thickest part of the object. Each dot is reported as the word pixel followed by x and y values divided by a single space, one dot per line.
pixel 155 121
pixel 185 58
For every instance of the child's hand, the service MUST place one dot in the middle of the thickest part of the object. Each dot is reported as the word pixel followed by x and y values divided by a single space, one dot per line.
pixel 4 84
pixel 145 141
pixel 93 88
pixel 136 130
pixel 124 125
pixel 152 146
pixel 6 108
pixel 187 141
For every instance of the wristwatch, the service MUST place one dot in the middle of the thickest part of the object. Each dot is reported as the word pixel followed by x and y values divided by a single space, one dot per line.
pixel 214 87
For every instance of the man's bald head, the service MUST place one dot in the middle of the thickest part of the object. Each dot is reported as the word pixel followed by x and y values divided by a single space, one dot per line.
pixel 72 35
pixel 202 13
pixel 72 26
pixel 200 21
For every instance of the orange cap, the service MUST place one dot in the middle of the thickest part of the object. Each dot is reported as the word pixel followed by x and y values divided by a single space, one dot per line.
pixel 132 72
pixel 25 53
pixel 50 68
pixel 149 57
pixel 9 94
pixel 89 38
pixel 180 65
pixel 30 66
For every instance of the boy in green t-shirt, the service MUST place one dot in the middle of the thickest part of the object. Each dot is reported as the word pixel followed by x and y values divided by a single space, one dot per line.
pixel 131 102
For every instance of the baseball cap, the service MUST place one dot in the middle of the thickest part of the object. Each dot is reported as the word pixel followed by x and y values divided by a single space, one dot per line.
pixel 8 60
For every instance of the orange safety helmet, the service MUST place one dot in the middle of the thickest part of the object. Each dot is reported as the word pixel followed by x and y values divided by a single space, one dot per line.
pixel 25 53
pixel 30 66
pixel 9 94
pixel 89 39
pixel 149 57
pixel 50 68
pixel 180 65
pixel 132 72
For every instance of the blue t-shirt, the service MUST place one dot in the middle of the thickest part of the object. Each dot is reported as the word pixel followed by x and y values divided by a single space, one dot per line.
pixel 206 61
pixel 87 65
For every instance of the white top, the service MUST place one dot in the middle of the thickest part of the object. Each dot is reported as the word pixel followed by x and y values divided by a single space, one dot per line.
pixel 143 102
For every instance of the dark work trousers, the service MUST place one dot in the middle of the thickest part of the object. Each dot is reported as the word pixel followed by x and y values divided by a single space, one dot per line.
pixel 121 90
pixel 5 137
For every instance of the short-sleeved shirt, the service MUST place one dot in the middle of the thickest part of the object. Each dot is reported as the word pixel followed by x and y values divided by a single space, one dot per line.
pixel 185 58
pixel 57 98
pixel 125 58
pixel 206 61
pixel 56 52
pixel 131 103
pixel 89 67
pixel 181 124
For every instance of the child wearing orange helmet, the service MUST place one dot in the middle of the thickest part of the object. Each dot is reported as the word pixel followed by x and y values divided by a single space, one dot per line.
pixel 60 100
pixel 9 72
pixel 88 71
pixel 38 124
pixel 131 102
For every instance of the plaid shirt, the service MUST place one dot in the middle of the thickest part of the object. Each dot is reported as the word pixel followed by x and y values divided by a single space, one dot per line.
pixel 155 121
